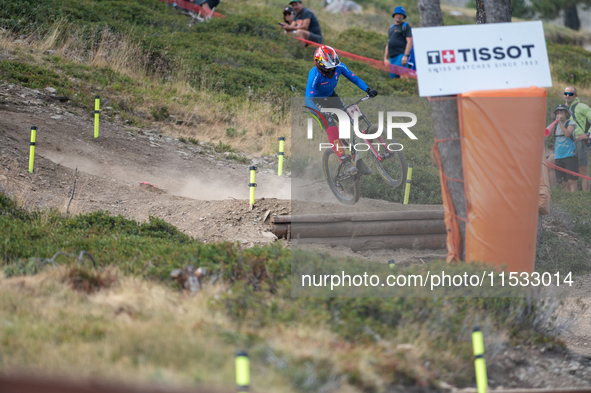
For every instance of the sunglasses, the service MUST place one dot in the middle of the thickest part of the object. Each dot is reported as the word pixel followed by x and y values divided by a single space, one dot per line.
pixel 568 93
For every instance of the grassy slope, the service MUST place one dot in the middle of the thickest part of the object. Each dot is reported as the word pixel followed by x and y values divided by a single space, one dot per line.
pixel 119 329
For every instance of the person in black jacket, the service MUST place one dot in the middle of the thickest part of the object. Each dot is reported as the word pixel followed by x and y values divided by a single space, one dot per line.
pixel 307 26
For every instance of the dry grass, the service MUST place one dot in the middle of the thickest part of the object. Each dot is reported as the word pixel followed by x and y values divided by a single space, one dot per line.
pixel 136 331
pixel 186 99
pixel 142 332
pixel 139 332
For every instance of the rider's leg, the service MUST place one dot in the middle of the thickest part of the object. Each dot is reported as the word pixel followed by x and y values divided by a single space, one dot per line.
pixel 332 130
pixel 337 147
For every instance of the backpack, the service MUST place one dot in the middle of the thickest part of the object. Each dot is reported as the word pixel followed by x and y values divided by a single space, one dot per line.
pixel 587 124
pixel 411 57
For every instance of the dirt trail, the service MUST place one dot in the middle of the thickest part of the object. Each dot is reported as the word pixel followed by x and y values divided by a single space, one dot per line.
pixel 201 192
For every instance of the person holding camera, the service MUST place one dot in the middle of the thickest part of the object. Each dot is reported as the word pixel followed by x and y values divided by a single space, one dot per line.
pixel 581 115
pixel 307 26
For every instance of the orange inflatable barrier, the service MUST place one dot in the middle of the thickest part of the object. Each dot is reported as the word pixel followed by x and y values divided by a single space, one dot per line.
pixel 502 141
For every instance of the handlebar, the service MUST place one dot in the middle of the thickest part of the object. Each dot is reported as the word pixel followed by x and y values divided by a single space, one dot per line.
pixel 367 97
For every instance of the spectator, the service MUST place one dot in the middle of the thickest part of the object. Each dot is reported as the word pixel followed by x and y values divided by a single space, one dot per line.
pixel 565 151
pixel 308 28
pixel 399 47
pixel 288 16
pixel 581 115
pixel 208 6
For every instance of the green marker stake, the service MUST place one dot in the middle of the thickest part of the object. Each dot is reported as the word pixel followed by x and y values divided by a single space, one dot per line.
pixel 32 148
pixel 479 363
pixel 252 185
pixel 242 371
pixel 280 154
pixel 407 188
pixel 97 103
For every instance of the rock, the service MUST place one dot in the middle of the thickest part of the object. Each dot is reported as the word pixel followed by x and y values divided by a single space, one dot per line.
pixel 405 347
pixel 151 187
pixel 343 6
pixel 56 117
pixel 50 89
pixel 188 277
pixel 269 235
pixel 60 98
pixel 176 273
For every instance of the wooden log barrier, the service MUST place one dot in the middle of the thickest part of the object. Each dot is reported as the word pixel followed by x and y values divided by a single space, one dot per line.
pixel 416 229
pixel 370 216
pixel 361 228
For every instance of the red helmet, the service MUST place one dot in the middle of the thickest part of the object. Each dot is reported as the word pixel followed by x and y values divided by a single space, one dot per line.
pixel 326 60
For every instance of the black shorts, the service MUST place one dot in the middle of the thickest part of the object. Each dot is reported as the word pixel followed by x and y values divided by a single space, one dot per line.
pixel 317 38
pixel 332 101
pixel 570 164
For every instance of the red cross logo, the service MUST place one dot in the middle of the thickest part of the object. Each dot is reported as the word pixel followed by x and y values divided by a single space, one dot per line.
pixel 448 56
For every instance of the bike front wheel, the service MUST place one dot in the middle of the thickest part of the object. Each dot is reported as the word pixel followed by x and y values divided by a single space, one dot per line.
pixel 346 188
pixel 392 167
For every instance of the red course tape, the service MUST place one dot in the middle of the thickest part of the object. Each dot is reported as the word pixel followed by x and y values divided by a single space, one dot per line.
pixel 567 171
pixel 402 71
pixel 191 7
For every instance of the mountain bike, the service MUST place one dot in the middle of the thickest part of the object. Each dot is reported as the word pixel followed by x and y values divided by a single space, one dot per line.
pixel 387 157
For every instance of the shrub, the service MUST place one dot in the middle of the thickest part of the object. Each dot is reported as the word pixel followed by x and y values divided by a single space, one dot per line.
pixel 231 132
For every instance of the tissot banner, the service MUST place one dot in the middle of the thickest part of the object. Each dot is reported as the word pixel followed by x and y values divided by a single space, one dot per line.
pixel 457 59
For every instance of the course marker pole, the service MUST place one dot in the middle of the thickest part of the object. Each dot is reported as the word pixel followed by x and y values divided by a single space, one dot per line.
pixel 280 154
pixel 32 148
pixel 407 188
pixel 242 371
pixel 252 185
pixel 97 103
pixel 479 363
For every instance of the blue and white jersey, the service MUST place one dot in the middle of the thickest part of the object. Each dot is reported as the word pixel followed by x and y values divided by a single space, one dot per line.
pixel 319 86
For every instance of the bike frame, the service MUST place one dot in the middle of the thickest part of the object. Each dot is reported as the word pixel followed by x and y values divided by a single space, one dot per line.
pixel 376 153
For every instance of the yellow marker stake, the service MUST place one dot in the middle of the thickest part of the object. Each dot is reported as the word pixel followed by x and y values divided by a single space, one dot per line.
pixel 280 154
pixel 242 371
pixel 252 185
pixel 407 188
pixel 97 103
pixel 32 148
pixel 479 363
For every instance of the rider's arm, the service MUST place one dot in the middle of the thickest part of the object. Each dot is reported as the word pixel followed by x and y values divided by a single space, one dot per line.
pixel 352 77
pixel 311 92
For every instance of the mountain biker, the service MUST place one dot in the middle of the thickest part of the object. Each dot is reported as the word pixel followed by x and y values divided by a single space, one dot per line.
pixel 322 80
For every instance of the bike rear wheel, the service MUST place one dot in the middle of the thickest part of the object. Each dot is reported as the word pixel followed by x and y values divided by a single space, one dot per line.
pixel 392 168
pixel 347 189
